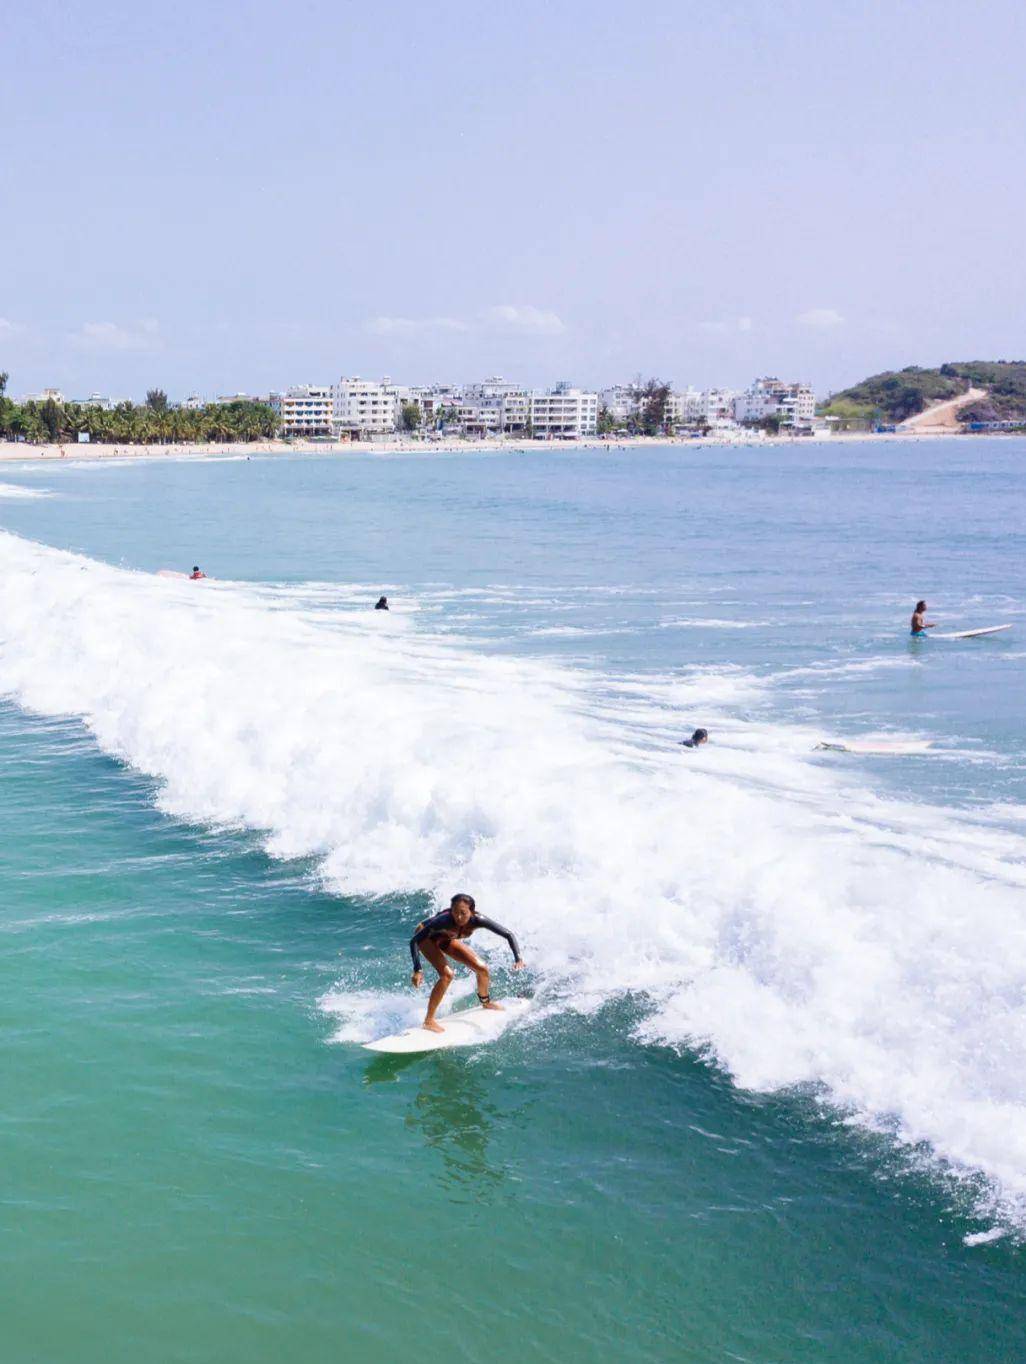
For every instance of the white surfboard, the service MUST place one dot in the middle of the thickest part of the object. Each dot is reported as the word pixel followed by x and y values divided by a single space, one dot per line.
pixel 970 634
pixel 869 747
pixel 468 1028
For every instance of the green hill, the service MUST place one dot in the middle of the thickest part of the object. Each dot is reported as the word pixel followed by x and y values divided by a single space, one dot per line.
pixel 897 394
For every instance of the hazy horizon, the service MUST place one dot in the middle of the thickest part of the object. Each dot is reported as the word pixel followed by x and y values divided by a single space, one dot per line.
pixel 254 197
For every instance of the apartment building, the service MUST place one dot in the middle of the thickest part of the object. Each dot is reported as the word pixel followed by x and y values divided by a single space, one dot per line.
pixel 366 407
pixel 305 410
pixel 433 400
pixel 565 412
pixel 708 406
pixel 793 403
pixel 622 402
pixel 495 405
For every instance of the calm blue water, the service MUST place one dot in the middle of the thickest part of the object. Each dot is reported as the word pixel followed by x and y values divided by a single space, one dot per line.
pixel 772 1080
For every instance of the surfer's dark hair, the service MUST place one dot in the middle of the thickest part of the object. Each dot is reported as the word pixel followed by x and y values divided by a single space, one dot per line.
pixel 920 606
pixel 700 734
pixel 465 899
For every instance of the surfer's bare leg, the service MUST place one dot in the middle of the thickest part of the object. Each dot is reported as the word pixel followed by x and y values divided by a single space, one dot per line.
pixel 436 957
pixel 459 951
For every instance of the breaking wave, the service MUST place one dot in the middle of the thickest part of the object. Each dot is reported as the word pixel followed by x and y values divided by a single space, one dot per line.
pixel 800 930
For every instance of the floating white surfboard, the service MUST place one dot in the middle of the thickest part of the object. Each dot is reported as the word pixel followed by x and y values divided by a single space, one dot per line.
pixel 470 1027
pixel 969 634
pixel 868 747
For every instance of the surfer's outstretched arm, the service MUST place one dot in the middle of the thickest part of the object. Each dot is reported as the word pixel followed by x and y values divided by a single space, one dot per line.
pixel 498 929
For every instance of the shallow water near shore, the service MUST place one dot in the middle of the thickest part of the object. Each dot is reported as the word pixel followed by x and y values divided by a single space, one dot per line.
pixel 768 1103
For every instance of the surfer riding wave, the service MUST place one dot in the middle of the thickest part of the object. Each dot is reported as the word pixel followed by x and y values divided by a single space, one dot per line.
pixel 442 936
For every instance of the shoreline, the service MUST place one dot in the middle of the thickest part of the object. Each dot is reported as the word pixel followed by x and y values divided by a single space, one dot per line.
pixel 14 453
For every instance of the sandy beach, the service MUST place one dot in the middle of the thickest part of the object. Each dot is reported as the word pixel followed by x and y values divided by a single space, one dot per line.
pixel 15 452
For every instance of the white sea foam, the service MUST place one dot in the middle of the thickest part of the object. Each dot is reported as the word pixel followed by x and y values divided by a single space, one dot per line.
pixel 19 490
pixel 799 928
pixel 711 623
pixel 985 1238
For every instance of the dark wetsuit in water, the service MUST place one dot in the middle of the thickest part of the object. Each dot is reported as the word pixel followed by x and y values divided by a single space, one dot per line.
pixel 443 929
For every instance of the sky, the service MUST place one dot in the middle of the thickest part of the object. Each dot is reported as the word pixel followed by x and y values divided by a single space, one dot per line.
pixel 239 196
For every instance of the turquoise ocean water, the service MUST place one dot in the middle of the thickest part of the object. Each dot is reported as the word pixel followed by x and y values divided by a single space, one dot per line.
pixel 769 1103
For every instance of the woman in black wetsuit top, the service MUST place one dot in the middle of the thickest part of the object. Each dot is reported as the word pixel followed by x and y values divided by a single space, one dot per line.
pixel 443 935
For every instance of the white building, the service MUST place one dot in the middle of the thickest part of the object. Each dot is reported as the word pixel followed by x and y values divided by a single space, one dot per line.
pixel 793 403
pixel 684 409
pixel 495 405
pixel 434 400
pixel 97 400
pixel 564 411
pixel 305 410
pixel 622 402
pixel 717 406
pixel 701 407
pixel 365 407
pixel 48 395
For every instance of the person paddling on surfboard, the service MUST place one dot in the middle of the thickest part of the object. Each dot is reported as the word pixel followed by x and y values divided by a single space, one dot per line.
pixel 920 624
pixel 442 935
pixel 196 573
pixel 700 737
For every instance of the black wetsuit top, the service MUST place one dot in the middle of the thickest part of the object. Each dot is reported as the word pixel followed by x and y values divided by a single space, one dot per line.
pixel 443 928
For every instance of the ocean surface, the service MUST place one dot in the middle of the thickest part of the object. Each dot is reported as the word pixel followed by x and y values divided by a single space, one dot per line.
pixel 769 1101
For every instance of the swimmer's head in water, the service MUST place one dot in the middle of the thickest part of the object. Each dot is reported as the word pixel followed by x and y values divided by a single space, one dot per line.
pixel 462 907
pixel 920 606
pixel 195 568
pixel 700 736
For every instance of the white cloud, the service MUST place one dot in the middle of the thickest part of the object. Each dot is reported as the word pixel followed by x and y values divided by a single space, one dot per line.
pixel 412 326
pixel 820 317
pixel 100 336
pixel 525 317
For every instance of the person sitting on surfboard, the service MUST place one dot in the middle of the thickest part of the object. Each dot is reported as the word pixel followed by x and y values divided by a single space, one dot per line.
pixel 381 604
pixel 196 573
pixel 919 624
pixel 441 936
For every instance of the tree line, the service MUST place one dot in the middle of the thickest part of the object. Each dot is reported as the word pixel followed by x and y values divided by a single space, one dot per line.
pixel 154 422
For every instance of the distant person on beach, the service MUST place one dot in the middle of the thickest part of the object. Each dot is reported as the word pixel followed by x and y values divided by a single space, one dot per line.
pixel 442 936
pixel 196 573
pixel 920 624
pixel 697 739
pixel 381 604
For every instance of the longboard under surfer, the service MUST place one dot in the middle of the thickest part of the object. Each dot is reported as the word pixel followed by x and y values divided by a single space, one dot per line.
pixel 443 936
